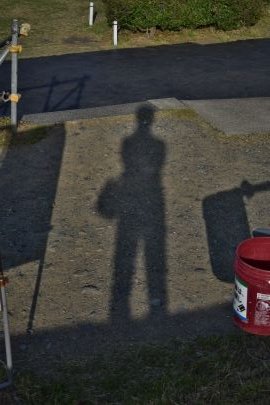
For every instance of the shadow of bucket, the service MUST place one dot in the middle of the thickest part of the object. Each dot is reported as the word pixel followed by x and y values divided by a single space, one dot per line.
pixel 252 286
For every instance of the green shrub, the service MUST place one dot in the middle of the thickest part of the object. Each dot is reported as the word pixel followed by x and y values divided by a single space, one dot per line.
pixel 178 14
pixel 133 14
pixel 231 14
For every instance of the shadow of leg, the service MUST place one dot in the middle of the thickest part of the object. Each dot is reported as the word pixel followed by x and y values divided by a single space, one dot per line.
pixel 155 258
pixel 124 267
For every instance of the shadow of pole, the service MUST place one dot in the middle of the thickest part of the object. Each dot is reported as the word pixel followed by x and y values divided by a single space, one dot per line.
pixel 29 178
pixel 36 292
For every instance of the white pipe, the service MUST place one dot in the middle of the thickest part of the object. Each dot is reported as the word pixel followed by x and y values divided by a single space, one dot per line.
pixel 6 332
pixel 91 14
pixel 115 33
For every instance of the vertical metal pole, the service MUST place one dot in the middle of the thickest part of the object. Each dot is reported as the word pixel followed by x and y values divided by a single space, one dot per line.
pixel 91 14
pixel 6 332
pixel 115 33
pixel 14 74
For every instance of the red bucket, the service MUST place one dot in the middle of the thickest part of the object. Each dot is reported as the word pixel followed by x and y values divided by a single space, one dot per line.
pixel 252 286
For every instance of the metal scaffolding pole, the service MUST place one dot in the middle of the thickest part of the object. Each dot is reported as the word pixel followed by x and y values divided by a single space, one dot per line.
pixel 14 72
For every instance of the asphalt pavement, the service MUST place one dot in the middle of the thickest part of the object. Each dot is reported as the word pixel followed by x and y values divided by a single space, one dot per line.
pixel 236 70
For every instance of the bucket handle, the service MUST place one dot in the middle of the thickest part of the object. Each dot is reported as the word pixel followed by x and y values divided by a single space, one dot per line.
pixel 257 232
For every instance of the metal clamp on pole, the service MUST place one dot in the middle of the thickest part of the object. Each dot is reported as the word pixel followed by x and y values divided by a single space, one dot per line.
pixel 14 98
pixel 15 49
pixel 25 29
pixel 4 310
pixel 4 96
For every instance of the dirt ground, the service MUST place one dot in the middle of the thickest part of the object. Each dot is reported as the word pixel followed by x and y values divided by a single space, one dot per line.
pixel 122 230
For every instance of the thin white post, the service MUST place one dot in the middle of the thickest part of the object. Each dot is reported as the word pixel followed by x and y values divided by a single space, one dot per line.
pixel 6 333
pixel 91 14
pixel 115 33
pixel 4 310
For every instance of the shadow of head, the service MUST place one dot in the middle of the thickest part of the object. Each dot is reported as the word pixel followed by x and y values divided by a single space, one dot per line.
pixel 145 115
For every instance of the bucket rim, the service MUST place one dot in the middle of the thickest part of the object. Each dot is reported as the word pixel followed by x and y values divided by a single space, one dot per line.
pixel 254 241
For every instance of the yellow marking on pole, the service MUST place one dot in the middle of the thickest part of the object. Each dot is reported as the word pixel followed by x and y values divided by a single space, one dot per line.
pixel 15 49
pixel 15 97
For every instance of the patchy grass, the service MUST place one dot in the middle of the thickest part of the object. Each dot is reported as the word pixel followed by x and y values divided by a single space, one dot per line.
pixel 60 27
pixel 4 123
pixel 27 134
pixel 223 370
pixel 57 27
pixel 209 130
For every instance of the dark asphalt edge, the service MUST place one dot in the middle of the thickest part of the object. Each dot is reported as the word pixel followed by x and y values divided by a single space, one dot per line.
pixel 57 117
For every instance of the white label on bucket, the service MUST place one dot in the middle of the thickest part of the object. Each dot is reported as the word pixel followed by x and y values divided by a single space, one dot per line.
pixel 262 311
pixel 240 299
pixel 265 297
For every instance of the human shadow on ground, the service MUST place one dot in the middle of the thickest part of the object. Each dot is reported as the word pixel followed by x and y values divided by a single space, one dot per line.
pixel 227 225
pixel 29 172
pixel 187 71
pixel 136 200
